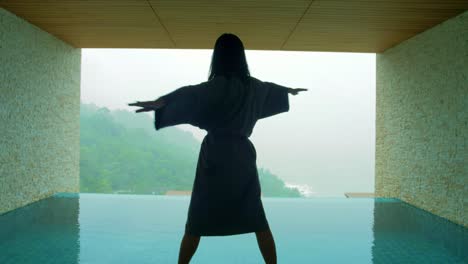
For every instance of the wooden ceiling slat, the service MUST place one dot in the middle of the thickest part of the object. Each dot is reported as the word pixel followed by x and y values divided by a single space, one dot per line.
pixel 318 25
pixel 95 23
pixel 261 24
pixel 375 25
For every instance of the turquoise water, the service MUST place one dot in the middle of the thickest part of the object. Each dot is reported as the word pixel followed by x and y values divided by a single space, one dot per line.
pixel 95 228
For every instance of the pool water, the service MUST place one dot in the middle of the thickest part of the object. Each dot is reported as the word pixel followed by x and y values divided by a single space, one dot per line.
pixel 99 228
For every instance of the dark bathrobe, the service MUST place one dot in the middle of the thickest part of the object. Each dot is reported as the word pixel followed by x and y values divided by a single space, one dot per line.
pixel 226 192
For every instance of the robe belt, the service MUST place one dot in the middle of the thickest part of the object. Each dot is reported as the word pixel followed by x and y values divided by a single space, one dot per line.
pixel 226 135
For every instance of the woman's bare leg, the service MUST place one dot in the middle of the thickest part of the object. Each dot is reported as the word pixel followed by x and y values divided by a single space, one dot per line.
pixel 266 243
pixel 188 246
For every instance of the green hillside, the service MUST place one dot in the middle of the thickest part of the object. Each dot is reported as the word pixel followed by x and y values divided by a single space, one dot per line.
pixel 122 152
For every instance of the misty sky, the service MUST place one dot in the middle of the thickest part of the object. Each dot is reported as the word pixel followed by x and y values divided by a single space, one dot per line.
pixel 325 141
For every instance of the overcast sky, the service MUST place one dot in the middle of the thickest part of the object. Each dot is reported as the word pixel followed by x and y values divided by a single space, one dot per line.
pixel 327 139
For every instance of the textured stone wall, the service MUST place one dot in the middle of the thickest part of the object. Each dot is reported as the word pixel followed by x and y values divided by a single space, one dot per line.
pixel 422 116
pixel 39 114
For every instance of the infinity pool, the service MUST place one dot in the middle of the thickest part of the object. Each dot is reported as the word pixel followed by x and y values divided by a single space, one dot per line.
pixel 97 228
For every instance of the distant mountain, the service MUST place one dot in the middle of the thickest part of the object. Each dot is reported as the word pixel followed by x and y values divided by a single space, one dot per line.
pixel 122 152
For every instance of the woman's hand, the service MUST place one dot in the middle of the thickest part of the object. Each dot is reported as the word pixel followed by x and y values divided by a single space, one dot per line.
pixel 296 91
pixel 149 105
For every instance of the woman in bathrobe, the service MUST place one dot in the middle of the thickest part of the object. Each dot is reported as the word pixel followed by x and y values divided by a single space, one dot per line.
pixel 226 192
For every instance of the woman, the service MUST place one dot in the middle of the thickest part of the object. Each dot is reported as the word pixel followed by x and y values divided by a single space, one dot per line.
pixel 226 192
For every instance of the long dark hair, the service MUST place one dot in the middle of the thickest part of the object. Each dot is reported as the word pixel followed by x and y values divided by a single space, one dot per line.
pixel 228 58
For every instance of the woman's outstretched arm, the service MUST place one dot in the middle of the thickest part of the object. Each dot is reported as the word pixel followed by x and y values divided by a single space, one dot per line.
pixel 295 91
pixel 273 98
pixel 182 106
pixel 149 105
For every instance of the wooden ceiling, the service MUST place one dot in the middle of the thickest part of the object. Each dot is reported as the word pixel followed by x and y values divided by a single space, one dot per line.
pixel 309 25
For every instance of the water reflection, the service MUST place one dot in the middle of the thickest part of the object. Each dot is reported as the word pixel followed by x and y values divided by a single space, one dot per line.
pixel 147 229
pixel 43 232
pixel 406 234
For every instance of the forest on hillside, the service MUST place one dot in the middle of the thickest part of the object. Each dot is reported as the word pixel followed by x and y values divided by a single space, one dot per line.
pixel 121 152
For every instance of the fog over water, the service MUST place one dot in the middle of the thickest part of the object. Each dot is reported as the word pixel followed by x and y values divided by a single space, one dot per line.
pixel 325 143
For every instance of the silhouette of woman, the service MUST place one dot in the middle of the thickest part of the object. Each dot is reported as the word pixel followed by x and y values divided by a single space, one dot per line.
pixel 226 192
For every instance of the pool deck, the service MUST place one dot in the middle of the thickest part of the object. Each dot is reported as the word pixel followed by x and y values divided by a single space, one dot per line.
pixel 178 193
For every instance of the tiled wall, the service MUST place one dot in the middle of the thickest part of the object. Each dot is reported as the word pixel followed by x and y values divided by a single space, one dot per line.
pixel 39 114
pixel 422 116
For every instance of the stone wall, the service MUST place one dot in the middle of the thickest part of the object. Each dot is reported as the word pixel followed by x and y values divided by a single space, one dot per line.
pixel 39 114
pixel 422 116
